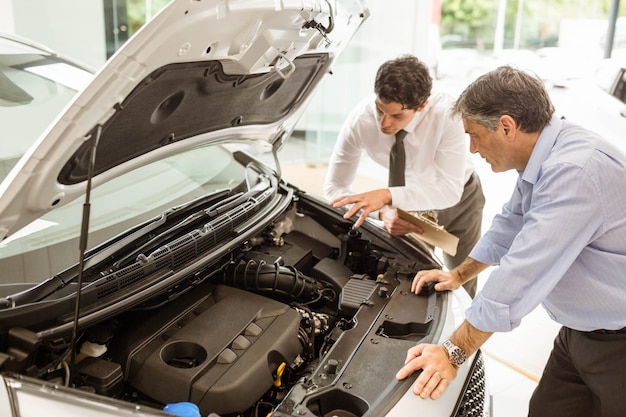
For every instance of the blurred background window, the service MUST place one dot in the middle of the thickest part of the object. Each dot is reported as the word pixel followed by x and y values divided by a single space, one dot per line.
pixel 458 39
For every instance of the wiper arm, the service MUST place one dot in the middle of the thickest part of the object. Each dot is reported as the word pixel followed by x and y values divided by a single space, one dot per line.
pixel 199 217
pixel 102 253
pixel 236 200
pixel 35 293
pixel 96 255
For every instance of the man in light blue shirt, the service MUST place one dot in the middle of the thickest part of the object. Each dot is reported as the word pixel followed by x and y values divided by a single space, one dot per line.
pixel 560 241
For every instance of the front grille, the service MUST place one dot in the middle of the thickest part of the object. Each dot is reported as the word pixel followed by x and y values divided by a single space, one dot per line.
pixel 472 402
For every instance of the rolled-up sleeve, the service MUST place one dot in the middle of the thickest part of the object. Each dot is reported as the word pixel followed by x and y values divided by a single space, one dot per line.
pixel 489 315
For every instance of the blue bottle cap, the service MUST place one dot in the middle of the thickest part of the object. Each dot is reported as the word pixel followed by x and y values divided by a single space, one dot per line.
pixel 184 409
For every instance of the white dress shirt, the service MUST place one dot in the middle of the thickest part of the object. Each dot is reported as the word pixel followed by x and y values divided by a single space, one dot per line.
pixel 438 162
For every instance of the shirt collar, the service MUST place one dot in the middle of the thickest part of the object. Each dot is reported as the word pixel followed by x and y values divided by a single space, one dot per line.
pixel 417 118
pixel 542 150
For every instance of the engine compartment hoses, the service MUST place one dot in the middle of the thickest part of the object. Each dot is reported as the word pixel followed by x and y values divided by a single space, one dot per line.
pixel 274 278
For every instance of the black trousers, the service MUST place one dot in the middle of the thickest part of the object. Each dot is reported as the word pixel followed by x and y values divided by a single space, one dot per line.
pixel 585 376
pixel 464 220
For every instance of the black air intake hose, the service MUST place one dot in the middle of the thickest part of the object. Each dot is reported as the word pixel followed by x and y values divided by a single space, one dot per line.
pixel 272 278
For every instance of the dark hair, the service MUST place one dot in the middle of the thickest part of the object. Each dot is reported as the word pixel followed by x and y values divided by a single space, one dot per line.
pixel 506 91
pixel 403 80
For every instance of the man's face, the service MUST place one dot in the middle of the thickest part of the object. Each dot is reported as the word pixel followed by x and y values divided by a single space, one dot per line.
pixel 392 117
pixel 492 146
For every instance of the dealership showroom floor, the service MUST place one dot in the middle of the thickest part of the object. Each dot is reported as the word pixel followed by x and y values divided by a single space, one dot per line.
pixel 514 360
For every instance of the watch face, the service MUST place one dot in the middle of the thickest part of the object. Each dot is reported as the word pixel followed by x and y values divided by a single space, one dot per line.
pixel 457 356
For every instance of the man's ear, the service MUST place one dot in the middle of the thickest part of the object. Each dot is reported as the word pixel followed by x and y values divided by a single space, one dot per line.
pixel 420 108
pixel 508 124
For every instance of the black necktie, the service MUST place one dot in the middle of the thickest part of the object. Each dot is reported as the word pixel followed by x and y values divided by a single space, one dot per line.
pixel 397 161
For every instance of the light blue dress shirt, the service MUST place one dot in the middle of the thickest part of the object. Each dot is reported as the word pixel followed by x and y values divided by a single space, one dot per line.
pixel 560 240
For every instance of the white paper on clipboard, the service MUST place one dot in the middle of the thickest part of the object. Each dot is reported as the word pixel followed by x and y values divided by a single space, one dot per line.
pixel 434 234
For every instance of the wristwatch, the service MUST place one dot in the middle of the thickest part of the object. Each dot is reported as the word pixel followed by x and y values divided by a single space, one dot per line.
pixel 456 355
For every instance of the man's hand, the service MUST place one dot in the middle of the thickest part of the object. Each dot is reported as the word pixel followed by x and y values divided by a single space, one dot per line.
pixel 445 280
pixel 437 371
pixel 365 202
pixel 452 280
pixel 395 225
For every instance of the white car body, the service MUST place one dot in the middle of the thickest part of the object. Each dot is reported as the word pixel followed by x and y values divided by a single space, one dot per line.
pixel 189 283
pixel 598 101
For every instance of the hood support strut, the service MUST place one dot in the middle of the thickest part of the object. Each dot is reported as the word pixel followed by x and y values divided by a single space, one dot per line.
pixel 84 233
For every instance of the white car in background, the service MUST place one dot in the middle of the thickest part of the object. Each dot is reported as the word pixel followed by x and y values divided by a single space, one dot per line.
pixel 51 81
pixel 597 102
pixel 152 256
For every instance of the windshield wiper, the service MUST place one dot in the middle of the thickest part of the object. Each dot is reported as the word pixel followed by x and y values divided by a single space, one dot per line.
pixel 196 219
pixel 105 251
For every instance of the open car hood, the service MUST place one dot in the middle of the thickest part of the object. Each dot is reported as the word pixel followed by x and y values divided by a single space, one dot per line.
pixel 211 280
pixel 199 72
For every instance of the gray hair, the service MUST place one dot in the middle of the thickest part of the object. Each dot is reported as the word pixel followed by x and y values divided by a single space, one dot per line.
pixel 506 91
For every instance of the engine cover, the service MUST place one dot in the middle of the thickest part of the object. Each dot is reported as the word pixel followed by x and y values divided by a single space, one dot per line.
pixel 228 340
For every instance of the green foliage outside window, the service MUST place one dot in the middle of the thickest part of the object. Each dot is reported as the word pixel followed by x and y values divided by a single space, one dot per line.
pixel 138 11
pixel 472 23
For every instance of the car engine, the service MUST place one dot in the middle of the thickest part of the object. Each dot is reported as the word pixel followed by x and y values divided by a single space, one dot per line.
pixel 283 315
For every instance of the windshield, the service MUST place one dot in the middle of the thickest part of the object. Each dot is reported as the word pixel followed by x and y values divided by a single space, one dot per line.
pixel 50 244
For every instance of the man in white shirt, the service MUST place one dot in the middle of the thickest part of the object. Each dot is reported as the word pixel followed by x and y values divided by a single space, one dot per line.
pixel 439 175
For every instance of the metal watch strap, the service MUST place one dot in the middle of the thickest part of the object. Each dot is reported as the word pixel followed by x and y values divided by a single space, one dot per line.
pixel 456 355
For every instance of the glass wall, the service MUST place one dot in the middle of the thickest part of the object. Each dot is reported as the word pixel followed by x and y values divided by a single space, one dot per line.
pixel 394 28
pixel 459 39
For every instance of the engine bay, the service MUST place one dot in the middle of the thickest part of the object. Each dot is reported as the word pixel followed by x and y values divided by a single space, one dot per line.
pixel 308 317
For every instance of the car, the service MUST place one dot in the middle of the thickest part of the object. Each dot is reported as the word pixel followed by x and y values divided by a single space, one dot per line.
pixel 464 64
pixel 596 101
pixel 152 255
pixel 51 81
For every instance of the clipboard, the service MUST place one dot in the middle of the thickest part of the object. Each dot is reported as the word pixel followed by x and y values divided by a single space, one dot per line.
pixel 434 233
